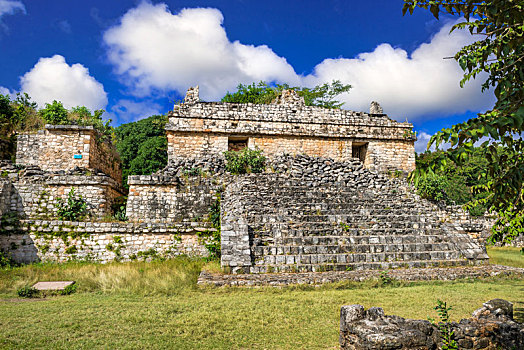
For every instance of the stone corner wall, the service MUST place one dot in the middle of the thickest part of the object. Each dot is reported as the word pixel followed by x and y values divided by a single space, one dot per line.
pixel 104 157
pixel 235 238
pixel 490 327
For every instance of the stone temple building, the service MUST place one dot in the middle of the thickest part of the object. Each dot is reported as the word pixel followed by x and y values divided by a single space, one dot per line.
pixel 330 198
pixel 289 126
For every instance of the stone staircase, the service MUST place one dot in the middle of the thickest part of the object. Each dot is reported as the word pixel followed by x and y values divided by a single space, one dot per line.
pixel 287 223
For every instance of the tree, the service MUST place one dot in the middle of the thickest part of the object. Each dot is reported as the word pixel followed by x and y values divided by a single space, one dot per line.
pixel 142 146
pixel 262 93
pixel 500 53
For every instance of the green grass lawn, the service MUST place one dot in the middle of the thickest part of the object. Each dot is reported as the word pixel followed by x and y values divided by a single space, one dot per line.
pixel 510 256
pixel 158 305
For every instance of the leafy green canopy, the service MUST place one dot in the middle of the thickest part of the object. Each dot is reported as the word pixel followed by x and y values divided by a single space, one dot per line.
pixel 262 93
pixel 453 183
pixel 142 146
pixel 18 115
pixel 499 52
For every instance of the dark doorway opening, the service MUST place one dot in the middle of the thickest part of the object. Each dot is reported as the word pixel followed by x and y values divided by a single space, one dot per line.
pixel 358 150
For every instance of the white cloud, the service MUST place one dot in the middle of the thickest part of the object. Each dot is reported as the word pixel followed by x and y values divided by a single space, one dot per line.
pixel 53 79
pixel 127 111
pixel 6 91
pixel 9 7
pixel 422 142
pixel 408 86
pixel 153 49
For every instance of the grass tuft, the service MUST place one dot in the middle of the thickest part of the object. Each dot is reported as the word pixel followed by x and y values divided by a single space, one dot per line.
pixel 168 277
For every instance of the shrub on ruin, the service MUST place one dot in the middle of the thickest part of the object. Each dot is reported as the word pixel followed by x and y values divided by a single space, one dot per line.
pixel 55 113
pixel 245 161
pixel 73 208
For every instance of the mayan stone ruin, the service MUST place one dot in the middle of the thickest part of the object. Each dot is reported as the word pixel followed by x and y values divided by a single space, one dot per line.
pixel 490 327
pixel 332 198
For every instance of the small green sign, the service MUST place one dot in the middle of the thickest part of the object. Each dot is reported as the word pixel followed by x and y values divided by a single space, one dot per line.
pixel 77 156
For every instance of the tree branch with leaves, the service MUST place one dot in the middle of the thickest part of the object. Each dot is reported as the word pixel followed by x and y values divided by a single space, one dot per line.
pixel 500 54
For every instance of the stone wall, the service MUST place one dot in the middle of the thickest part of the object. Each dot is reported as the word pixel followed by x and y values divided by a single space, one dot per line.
pixel 490 327
pixel 35 193
pixel 59 241
pixel 194 145
pixel 171 198
pixel 390 155
pixel 5 196
pixel 65 147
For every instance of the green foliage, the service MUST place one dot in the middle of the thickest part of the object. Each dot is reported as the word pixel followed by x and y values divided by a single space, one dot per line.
pixel 82 116
pixel 500 54
pixel 27 292
pixel 119 209
pixel 142 146
pixel 71 250
pixel 245 161
pixel 385 278
pixel 453 182
pixel 444 326
pixel 321 95
pixel 70 289
pixel 211 240
pixel 55 113
pixel 5 261
pixel 17 115
pixel 214 212
pixel 72 209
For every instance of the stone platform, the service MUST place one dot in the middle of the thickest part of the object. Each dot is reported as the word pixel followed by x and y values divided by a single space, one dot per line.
pixel 317 278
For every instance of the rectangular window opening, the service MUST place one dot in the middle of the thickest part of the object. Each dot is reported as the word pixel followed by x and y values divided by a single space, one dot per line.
pixel 236 143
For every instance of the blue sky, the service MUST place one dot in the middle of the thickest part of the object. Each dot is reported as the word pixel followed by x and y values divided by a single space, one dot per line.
pixel 136 58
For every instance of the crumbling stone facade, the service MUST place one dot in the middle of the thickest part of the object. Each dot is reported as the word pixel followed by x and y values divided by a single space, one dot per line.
pixel 490 327
pixel 316 214
pixel 171 198
pixel 51 163
pixel 33 193
pixel 289 126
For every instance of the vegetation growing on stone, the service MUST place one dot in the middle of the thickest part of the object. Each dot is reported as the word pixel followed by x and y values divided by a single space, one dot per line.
pixel 262 93
pixel 73 208
pixel 245 161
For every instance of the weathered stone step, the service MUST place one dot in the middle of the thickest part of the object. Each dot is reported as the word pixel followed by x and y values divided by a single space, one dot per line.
pixel 368 239
pixel 349 218
pixel 355 257
pixel 360 266
pixel 348 208
pixel 329 230
pixel 350 248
